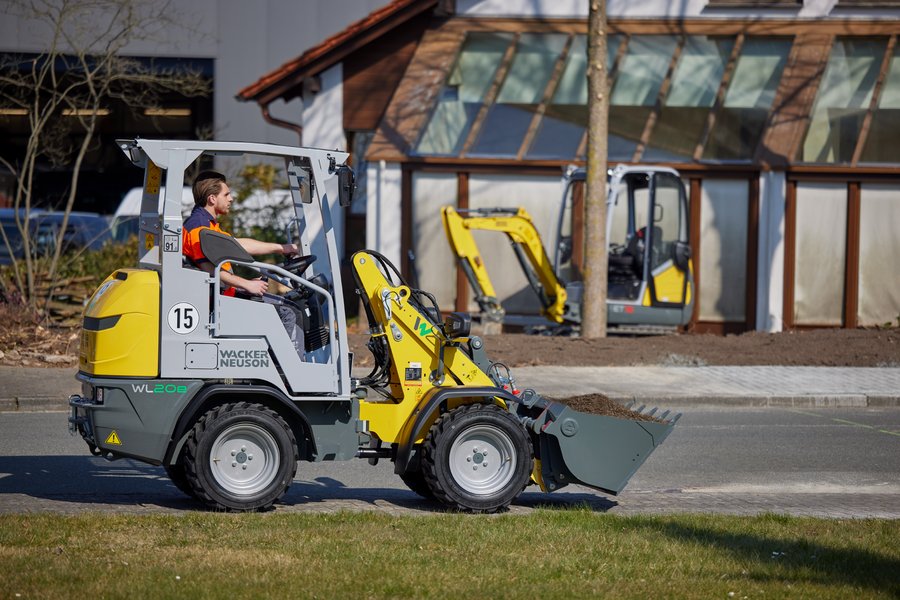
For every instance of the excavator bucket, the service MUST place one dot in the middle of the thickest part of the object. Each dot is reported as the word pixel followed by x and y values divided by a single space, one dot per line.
pixel 593 450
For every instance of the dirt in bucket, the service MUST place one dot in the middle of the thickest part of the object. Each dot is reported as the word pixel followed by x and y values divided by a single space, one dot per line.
pixel 599 404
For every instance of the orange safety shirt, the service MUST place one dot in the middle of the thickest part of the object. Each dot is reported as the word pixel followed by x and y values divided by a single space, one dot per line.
pixel 200 219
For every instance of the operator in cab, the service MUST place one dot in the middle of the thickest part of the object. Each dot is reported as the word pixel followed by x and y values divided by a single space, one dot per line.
pixel 211 199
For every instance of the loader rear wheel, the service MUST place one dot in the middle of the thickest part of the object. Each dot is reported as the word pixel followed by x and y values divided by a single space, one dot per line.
pixel 241 457
pixel 477 457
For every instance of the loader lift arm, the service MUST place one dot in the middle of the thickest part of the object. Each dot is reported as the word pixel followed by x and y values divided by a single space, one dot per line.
pixel 519 228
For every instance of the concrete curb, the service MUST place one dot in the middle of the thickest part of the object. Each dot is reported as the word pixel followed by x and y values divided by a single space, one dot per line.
pixel 34 404
pixel 831 401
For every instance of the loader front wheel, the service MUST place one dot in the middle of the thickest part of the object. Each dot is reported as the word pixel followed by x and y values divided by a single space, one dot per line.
pixel 477 457
pixel 241 457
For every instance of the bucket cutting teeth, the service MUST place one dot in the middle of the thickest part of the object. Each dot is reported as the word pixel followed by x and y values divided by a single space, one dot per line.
pixel 630 404
pixel 662 417
pixel 652 412
pixel 641 409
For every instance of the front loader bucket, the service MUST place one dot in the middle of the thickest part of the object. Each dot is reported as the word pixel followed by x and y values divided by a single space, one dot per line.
pixel 593 450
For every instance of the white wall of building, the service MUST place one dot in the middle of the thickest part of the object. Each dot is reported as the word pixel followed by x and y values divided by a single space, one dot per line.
pixel 770 256
pixel 383 209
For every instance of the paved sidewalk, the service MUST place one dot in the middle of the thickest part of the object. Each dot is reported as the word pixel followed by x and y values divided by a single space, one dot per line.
pixel 724 386
pixel 26 389
pixel 822 505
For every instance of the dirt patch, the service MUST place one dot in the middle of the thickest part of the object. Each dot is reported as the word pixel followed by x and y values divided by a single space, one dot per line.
pixel 816 348
pixel 25 342
pixel 600 404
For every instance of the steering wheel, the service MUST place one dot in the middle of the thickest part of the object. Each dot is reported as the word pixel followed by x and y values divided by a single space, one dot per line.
pixel 298 264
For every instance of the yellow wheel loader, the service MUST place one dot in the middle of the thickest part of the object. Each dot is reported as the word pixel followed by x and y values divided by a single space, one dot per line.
pixel 650 271
pixel 212 388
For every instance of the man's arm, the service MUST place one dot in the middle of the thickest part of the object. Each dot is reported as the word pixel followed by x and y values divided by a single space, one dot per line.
pixel 257 248
pixel 254 287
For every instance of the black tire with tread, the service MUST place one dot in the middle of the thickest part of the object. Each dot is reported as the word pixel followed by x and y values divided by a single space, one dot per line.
pixel 178 474
pixel 437 445
pixel 204 433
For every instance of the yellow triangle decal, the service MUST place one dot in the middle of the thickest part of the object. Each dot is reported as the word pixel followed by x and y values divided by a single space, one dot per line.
pixel 113 439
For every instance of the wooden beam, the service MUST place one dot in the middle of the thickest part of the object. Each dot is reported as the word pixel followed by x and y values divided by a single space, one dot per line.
pixel 406 222
pixel 720 97
pixel 790 109
pixel 752 251
pixel 546 98
pixel 695 201
pixel 657 107
pixel 462 284
pixel 851 280
pixel 499 78
pixel 790 237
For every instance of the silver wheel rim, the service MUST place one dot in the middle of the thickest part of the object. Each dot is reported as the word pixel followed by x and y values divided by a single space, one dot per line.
pixel 244 459
pixel 483 460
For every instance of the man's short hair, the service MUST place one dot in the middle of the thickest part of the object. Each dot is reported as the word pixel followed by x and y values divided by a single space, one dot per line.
pixel 207 182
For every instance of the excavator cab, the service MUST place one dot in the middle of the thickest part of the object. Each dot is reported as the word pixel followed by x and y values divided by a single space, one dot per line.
pixel 650 272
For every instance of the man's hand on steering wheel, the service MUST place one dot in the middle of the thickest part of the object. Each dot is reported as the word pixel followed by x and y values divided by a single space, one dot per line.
pixel 289 249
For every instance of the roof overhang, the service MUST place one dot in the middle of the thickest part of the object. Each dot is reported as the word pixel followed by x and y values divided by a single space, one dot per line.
pixel 286 82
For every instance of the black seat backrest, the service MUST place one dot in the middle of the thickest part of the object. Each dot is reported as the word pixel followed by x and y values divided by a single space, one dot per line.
pixel 220 247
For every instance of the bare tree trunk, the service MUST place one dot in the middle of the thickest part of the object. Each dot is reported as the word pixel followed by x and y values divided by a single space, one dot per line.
pixel 593 323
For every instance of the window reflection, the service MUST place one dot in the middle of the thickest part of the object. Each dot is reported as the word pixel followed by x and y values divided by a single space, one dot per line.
pixel 751 91
pixel 843 100
pixel 464 93
pixel 520 96
pixel 695 83
pixel 881 142
pixel 565 121
pixel 637 85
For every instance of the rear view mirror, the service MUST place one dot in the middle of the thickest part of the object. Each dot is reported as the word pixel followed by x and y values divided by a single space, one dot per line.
pixel 346 185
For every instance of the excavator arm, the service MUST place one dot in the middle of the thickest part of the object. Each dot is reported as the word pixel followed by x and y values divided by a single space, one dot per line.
pixel 526 243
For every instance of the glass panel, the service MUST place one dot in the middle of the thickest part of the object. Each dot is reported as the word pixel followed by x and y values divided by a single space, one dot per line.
pixel 879 247
pixel 564 122
pixel 636 88
pixel 695 83
pixel 881 142
pixel 843 100
pixel 463 94
pixel 562 244
pixel 669 224
pixel 723 250
pixel 820 253
pixel 435 262
pixel 508 121
pixel 740 122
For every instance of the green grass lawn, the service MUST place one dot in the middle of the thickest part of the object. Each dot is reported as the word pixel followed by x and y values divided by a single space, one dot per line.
pixel 547 554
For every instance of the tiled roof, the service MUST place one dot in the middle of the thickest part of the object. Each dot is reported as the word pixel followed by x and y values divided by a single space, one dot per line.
pixel 320 51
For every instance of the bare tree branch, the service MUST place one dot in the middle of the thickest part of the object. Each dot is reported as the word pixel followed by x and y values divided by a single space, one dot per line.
pixel 65 87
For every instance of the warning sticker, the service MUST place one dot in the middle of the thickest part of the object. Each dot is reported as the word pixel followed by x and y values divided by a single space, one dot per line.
pixel 152 178
pixel 113 439
pixel 148 241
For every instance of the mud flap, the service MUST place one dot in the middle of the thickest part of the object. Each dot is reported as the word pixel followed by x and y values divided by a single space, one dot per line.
pixel 592 450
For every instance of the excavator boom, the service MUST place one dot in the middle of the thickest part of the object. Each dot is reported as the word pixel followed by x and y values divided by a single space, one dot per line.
pixel 526 243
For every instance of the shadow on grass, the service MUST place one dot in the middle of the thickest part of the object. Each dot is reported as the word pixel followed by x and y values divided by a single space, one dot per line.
pixel 785 559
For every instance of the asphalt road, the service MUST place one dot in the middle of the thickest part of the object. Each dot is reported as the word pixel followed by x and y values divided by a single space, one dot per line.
pixel 730 450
